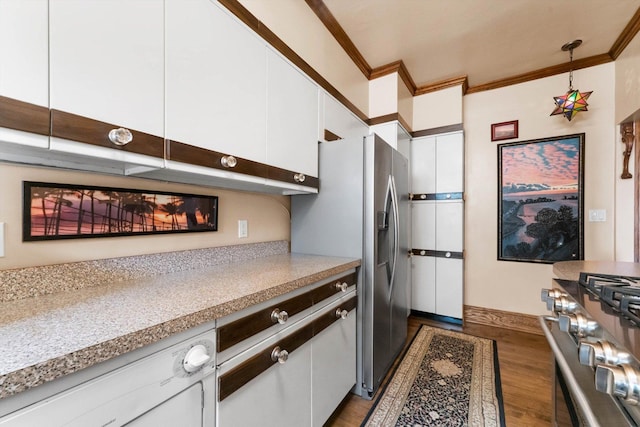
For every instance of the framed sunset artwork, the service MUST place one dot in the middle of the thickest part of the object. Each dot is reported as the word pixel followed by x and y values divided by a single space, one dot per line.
pixel 540 200
pixel 64 211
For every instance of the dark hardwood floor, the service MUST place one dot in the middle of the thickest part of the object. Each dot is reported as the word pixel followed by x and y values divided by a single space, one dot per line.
pixel 525 372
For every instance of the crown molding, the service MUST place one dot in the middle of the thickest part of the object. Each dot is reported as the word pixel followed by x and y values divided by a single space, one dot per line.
pixel 626 36
pixel 543 72
pixel 329 21
pixel 433 87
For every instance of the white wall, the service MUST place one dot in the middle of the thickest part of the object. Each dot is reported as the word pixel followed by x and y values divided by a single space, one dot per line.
pixel 267 216
pixel 515 286
pixel 383 95
pixel 439 108
pixel 405 103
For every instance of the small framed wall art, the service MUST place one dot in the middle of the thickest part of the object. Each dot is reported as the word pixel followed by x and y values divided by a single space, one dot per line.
pixel 504 130
pixel 65 211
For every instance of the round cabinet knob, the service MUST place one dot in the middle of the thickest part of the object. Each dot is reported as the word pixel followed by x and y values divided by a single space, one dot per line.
pixel 423 196
pixel 577 324
pixel 299 177
pixel 620 381
pixel 120 136
pixel 195 358
pixel 279 355
pixel 229 161
pixel 341 314
pixel 279 316
pixel 448 196
pixel 342 287
pixel 596 353
pixel 423 253
pixel 447 255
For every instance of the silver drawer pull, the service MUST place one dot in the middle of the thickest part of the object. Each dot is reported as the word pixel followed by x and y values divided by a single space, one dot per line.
pixel 120 136
pixel 279 316
pixel 299 177
pixel 342 287
pixel 341 314
pixel 279 355
pixel 229 161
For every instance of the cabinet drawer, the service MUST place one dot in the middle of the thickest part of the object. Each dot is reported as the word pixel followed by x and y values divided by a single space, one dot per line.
pixel 332 316
pixel 251 368
pixel 185 153
pixel 78 128
pixel 245 327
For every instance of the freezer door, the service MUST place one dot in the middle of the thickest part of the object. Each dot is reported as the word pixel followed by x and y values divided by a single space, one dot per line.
pixel 383 236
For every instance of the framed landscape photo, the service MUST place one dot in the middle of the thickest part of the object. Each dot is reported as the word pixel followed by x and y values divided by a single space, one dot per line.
pixel 541 200
pixel 65 211
pixel 504 130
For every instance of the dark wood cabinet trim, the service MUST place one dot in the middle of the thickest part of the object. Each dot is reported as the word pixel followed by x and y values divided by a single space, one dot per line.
pixel 23 116
pixel 436 131
pixel 438 254
pixel 186 153
pixel 437 196
pixel 330 136
pixel 251 368
pixel 245 327
pixel 78 128
pixel 327 319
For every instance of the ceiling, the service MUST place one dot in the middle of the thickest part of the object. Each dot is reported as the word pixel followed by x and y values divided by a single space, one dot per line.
pixel 488 41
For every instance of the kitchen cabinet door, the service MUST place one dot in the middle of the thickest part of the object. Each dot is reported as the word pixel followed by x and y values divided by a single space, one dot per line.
pixel 279 396
pixel 449 288
pixel 334 364
pixel 292 117
pixel 341 122
pixel 216 80
pixel 423 165
pixel 423 284
pixel 24 72
pixel 107 71
pixel 450 163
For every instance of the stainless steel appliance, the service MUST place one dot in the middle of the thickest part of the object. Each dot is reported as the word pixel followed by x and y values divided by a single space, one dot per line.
pixel 362 211
pixel 594 333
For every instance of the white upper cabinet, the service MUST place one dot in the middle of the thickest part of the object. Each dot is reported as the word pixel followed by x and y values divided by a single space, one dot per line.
pixel 340 121
pixel 216 80
pixel 107 61
pixel 24 72
pixel 292 117
pixel 438 164
pixel 24 48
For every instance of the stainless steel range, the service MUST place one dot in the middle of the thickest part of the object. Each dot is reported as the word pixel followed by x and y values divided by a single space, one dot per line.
pixel 594 333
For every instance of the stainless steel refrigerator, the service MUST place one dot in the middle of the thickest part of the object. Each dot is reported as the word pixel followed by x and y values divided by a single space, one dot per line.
pixel 362 210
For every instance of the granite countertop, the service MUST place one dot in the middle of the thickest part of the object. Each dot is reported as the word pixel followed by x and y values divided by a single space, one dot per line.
pixel 570 270
pixel 46 337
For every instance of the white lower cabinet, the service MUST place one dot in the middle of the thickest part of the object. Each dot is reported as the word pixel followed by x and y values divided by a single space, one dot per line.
pixel 333 367
pixel 437 285
pixel 297 376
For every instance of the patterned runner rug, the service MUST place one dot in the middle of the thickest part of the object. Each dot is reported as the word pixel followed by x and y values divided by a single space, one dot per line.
pixel 445 378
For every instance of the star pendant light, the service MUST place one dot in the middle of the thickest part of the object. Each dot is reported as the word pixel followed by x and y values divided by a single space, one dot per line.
pixel 574 101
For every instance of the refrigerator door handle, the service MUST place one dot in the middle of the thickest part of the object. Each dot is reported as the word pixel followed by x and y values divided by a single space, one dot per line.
pixel 396 231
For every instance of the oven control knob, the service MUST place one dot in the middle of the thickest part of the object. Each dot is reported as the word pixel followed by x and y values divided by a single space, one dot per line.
pixel 547 294
pixel 195 358
pixel 621 381
pixel 596 353
pixel 561 304
pixel 577 324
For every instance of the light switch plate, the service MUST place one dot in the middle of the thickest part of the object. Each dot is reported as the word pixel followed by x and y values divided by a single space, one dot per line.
pixel 243 228
pixel 597 215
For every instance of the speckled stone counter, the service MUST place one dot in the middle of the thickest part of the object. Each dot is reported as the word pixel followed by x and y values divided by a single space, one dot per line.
pixel 570 270
pixel 49 336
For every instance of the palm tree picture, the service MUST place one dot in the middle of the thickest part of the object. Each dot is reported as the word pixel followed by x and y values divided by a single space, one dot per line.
pixel 62 211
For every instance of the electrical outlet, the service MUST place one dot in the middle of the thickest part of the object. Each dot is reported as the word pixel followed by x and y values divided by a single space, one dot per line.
pixel 243 228
pixel 597 215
